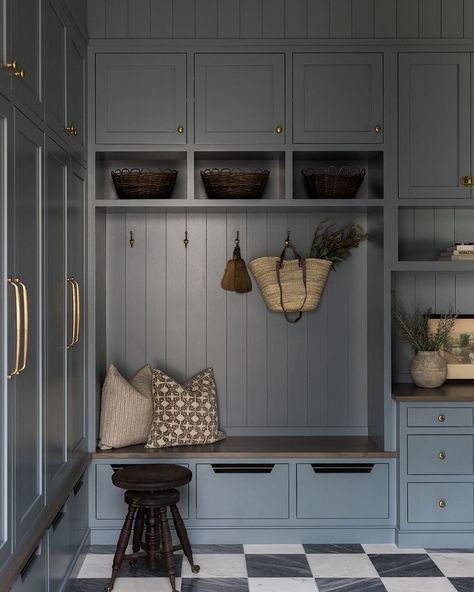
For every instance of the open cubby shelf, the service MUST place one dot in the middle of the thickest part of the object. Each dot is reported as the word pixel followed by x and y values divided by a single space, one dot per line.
pixel 452 391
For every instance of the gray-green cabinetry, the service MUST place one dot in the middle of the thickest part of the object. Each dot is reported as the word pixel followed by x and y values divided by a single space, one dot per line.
pixel 240 98
pixel 338 97
pixel 141 98
pixel 34 576
pixel 5 74
pixel 76 93
pixel 434 125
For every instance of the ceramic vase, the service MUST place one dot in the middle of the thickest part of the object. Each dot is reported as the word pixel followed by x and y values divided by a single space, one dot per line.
pixel 428 369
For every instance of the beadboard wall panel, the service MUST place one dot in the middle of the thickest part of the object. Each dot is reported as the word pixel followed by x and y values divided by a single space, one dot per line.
pixel 438 291
pixel 279 19
pixel 165 306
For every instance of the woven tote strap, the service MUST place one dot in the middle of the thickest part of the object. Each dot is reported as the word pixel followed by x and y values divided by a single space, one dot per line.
pixel 279 267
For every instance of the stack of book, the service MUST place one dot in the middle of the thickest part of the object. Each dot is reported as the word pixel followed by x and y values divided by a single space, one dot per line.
pixel 458 252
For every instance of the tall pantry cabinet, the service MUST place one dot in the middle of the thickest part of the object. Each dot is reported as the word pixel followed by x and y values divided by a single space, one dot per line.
pixel 42 221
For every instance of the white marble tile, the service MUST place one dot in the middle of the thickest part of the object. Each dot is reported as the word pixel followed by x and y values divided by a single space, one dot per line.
pixel 217 566
pixel 387 549
pixel 418 585
pixel 350 565
pixel 282 585
pixel 144 585
pixel 96 566
pixel 273 549
pixel 460 565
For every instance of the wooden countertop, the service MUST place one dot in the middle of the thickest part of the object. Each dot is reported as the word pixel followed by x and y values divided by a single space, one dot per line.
pixel 452 391
pixel 261 446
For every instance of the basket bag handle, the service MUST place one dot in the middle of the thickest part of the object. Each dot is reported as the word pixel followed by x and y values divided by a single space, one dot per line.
pixel 279 266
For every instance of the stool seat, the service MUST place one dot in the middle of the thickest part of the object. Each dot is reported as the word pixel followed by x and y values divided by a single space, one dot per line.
pixel 155 477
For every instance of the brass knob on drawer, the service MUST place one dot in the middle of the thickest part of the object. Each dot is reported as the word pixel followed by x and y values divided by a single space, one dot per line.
pixel 72 131
pixel 467 181
pixel 442 503
pixel 441 418
pixel 378 129
pixel 19 73
pixel 279 129
pixel 180 129
pixel 442 455
pixel 11 65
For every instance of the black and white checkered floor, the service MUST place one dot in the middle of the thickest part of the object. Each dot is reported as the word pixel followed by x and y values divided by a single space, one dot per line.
pixel 291 568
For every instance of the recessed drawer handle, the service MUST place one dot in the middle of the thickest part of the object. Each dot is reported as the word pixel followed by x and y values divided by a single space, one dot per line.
pixel 242 469
pixel 29 564
pixel 342 468
pixel 118 467
pixel 58 518
pixel 78 486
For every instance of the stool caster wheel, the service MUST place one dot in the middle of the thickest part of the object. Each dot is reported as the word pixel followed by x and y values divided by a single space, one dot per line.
pixel 132 563
pixel 108 588
pixel 195 569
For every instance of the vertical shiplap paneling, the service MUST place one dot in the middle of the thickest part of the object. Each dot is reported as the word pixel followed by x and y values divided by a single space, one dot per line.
pixel 385 19
pixel 251 19
pixel 277 340
pixel 468 19
pixel 363 19
pixel 236 336
pixel 161 19
pixel 139 19
pixel 273 19
pixel 116 241
pixel 176 296
pixel 445 292
pixel 96 19
pixel 196 321
pixel 228 19
pixel 156 290
pixel 184 17
pixel 407 19
pixel 404 286
pixel 443 229
pixel 464 293
pixel 452 14
pixel 340 19
pixel 135 282
pixel 430 19
pixel 116 15
pixel 463 225
pixel 318 19
pixel 254 245
pixel 405 233
pixel 423 227
pixel 296 14
pixel 206 19
pixel 216 315
pixel 298 336
pixel 425 290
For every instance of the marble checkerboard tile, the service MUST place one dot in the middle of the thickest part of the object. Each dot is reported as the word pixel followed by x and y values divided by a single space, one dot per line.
pixel 290 568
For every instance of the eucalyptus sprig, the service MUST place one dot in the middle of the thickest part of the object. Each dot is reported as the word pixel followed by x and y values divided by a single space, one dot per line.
pixel 414 328
pixel 335 244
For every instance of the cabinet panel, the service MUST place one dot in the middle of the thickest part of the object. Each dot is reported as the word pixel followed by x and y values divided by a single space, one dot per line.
pixel 54 265
pixel 338 98
pixel 25 387
pixel 60 552
pixel 5 74
pixel 440 502
pixel 440 455
pixel 34 576
pixel 27 51
pixel 441 417
pixel 76 87
pixel 240 99
pixel 435 123
pixel 55 72
pixel 141 98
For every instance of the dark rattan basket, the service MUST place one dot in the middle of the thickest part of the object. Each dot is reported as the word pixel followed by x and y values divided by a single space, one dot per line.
pixel 234 183
pixel 144 183
pixel 333 182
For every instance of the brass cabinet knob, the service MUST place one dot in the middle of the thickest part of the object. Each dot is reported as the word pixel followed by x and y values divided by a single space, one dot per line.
pixel 467 181
pixel 378 129
pixel 279 129
pixel 180 129
pixel 442 503
pixel 19 73
pixel 442 455
pixel 11 65
pixel 72 131
pixel 441 418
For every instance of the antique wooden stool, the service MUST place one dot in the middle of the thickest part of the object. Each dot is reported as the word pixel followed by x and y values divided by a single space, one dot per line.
pixel 150 491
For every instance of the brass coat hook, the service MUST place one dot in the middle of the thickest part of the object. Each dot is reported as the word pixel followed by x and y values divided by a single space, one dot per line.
pixel 186 239
pixel 131 240
pixel 287 242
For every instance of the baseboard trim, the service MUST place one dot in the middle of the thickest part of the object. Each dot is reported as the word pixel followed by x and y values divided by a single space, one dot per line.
pixel 430 539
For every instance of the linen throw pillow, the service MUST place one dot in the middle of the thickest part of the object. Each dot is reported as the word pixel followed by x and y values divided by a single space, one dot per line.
pixel 126 409
pixel 184 415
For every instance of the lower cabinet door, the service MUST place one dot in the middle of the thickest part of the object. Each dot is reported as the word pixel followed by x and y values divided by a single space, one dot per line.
pixel 440 502
pixel 60 555
pixel 34 575
pixel 342 491
pixel 440 455
pixel 242 491
pixel 79 512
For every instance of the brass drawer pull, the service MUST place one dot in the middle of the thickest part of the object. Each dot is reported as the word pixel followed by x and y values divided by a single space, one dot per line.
pixel 72 283
pixel 442 503
pixel 78 311
pixel 378 129
pixel 26 328
pixel 441 418
pixel 14 283
pixel 442 455
pixel 467 181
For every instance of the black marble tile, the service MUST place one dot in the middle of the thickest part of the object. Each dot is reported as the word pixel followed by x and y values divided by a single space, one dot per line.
pixel 470 550
pixel 141 570
pixel 219 549
pixel 86 585
pixel 350 585
pixel 333 549
pixel 463 584
pixel 214 585
pixel 278 566
pixel 405 566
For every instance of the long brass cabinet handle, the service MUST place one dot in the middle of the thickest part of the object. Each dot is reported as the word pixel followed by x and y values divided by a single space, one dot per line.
pixel 13 282
pixel 26 327
pixel 71 282
pixel 78 311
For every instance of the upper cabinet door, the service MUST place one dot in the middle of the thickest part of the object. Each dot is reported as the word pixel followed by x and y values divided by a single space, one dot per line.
pixel 338 98
pixel 141 98
pixel 434 119
pixel 27 52
pixel 5 73
pixel 240 99
pixel 76 94
pixel 55 72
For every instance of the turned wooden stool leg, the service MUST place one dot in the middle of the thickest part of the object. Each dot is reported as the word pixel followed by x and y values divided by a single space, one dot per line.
pixel 167 547
pixel 152 538
pixel 183 537
pixel 138 534
pixel 122 545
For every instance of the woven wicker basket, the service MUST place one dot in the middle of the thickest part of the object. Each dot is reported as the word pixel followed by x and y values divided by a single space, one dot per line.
pixel 144 183
pixel 333 182
pixel 293 291
pixel 234 183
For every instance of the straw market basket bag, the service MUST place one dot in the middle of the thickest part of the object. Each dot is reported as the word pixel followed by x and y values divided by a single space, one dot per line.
pixel 291 286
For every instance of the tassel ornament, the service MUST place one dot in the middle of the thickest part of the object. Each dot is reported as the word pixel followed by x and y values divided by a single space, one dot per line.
pixel 236 277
